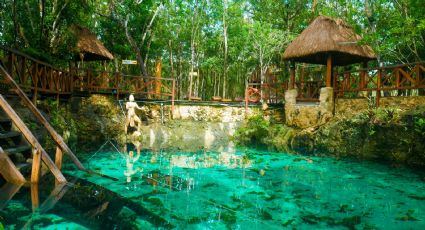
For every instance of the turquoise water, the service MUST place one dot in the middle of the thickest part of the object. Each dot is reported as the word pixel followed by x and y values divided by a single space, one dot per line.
pixel 251 189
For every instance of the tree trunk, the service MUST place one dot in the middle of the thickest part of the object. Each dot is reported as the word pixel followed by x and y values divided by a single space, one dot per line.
pixel 135 49
pixel 171 59
pixel 192 47
pixel 15 24
pixel 180 76
pixel 43 13
pixel 225 36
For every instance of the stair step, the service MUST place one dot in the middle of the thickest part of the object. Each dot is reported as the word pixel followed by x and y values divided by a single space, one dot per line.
pixel 5 120
pixel 22 165
pixel 5 123
pixel 10 134
pixel 19 149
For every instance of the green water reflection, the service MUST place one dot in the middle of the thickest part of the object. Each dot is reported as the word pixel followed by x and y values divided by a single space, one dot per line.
pixel 227 189
pixel 251 189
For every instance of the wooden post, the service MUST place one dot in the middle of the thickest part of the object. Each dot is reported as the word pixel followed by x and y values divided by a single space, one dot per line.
pixel 158 72
pixel 378 87
pixel 172 98
pixel 58 157
pixel 329 71
pixel 35 82
pixel 35 198
pixel 302 81
pixel 246 101
pixel 36 164
pixel 292 75
pixel 363 76
pixel 58 161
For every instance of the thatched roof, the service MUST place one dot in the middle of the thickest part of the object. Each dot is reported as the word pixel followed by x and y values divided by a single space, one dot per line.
pixel 326 36
pixel 89 46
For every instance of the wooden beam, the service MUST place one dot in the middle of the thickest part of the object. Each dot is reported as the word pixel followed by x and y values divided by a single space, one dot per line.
pixel 57 194
pixel 329 71
pixel 35 198
pixel 56 137
pixel 9 171
pixel 58 158
pixel 292 76
pixel 31 139
pixel 36 164
pixel 7 192
pixel 58 161
pixel 363 75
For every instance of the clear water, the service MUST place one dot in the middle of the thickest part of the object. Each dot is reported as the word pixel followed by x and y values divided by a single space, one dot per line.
pixel 251 189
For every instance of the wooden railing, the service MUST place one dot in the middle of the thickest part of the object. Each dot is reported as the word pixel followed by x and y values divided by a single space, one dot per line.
pixel 118 84
pixel 37 77
pixel 61 145
pixel 34 75
pixel 267 92
pixel 309 90
pixel 390 80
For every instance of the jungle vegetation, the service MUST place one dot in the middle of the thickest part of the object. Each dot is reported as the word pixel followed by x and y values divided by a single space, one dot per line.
pixel 223 40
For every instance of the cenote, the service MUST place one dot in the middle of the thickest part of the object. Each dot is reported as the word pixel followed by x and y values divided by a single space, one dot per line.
pixel 234 188
pixel 198 115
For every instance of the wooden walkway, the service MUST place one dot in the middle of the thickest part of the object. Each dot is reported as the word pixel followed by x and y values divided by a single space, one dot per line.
pixel 36 77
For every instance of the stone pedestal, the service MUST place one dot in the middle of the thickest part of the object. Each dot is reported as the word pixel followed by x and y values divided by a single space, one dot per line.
pixel 291 97
pixel 326 99
pixel 305 115
pixel 326 104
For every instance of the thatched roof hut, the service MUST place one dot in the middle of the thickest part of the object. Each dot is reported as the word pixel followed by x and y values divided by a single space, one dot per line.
pixel 328 36
pixel 88 47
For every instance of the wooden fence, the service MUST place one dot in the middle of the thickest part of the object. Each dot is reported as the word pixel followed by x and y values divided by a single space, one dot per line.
pixel 37 77
pixel 397 80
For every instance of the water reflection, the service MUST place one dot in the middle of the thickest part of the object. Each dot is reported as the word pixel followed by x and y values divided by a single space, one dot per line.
pixel 128 149
pixel 156 166
pixel 210 160
pixel 78 204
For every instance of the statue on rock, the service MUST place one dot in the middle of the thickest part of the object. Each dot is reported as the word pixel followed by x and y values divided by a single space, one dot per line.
pixel 132 117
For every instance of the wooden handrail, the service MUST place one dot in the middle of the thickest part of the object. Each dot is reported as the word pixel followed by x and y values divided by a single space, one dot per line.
pixel 56 137
pixel 31 139
pixel 28 57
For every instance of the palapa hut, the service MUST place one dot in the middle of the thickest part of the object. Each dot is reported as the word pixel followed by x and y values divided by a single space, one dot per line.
pixel 330 42
pixel 88 47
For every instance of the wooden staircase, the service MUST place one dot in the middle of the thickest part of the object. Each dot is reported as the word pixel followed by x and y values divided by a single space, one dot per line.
pixel 12 142
pixel 19 148
pixel 18 144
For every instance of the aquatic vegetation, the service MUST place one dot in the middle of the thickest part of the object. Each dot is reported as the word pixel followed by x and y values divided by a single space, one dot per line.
pixel 276 190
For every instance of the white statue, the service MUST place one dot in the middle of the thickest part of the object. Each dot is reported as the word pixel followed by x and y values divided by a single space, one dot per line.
pixel 130 160
pixel 132 117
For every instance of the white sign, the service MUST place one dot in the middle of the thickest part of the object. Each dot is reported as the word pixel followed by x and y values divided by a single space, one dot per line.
pixel 129 62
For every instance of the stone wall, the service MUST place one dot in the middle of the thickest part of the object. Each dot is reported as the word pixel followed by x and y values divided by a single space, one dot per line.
pixel 155 113
pixel 350 107
pixel 402 102
pixel 305 115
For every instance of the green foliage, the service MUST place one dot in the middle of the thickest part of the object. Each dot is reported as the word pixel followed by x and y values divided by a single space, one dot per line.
pixel 254 132
pixel 60 119
pixel 188 33
pixel 420 126
pixel 259 132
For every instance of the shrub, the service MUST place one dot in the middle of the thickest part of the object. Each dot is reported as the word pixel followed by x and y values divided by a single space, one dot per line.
pixel 255 131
